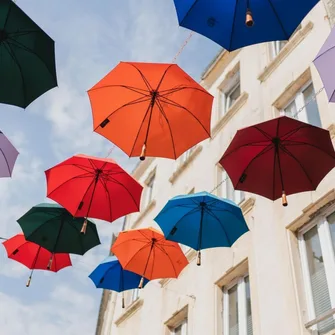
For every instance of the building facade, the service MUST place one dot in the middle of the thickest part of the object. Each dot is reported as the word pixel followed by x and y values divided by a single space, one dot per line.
pixel 279 278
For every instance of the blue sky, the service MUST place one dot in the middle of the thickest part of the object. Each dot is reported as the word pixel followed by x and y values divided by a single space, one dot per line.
pixel 91 38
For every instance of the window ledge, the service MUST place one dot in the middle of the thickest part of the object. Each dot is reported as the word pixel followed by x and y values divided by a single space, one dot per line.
pixel 230 113
pixel 131 309
pixel 182 167
pixel 146 210
pixel 331 130
pixel 320 318
pixel 287 49
pixel 247 205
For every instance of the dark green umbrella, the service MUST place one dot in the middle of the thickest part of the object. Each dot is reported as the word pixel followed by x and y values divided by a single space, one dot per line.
pixel 27 57
pixel 55 229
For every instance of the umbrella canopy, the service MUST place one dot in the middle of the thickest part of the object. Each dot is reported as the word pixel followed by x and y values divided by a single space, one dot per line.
pixel 201 221
pixel 93 187
pixel 147 253
pixel 110 275
pixel 146 109
pixel 279 157
pixel 55 229
pixel 8 156
pixel 27 63
pixel 324 63
pixel 34 256
pixel 231 23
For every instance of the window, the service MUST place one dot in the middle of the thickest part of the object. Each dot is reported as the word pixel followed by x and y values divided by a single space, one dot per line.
pixel 317 246
pixel 132 296
pixel 181 329
pixel 310 113
pixel 149 185
pixel 184 157
pixel 226 189
pixel 237 317
pixel 275 48
pixel 229 94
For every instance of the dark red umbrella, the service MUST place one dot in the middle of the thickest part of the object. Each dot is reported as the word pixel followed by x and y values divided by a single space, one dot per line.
pixel 34 256
pixel 93 187
pixel 279 157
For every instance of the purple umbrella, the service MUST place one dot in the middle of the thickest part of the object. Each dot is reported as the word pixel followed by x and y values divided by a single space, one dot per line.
pixel 8 156
pixel 325 64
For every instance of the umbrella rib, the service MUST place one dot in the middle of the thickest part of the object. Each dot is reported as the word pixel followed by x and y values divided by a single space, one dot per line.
pixel 158 103
pixel 23 47
pixel 292 132
pixel 103 182
pixel 269 137
pixel 177 89
pixel 9 10
pixel 323 53
pixel 82 167
pixel 163 76
pixel 301 166
pixel 138 251
pixel 312 145
pixel 4 156
pixel 173 103
pixel 253 144
pixel 277 17
pixel 131 88
pixel 146 82
pixel 168 256
pixel 194 3
pixel 84 175
pixel 233 25
pixel 11 53
pixel 264 151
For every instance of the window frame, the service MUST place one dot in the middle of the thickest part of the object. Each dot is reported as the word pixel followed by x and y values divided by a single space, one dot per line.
pixel 242 304
pixel 299 95
pixel 275 48
pixel 148 191
pixel 328 254
pixel 183 327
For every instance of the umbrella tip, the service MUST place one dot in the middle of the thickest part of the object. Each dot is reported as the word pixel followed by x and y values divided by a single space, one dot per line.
pixel 199 258
pixel 249 21
pixel 83 228
pixel 144 149
pixel 28 282
pixel 284 199
pixel 141 283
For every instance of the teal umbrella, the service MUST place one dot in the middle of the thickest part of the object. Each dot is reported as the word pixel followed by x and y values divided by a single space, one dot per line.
pixel 55 229
pixel 27 57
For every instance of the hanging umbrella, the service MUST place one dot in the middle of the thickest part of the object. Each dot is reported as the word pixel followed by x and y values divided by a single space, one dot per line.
pixel 147 253
pixel 34 256
pixel 110 275
pixel 202 221
pixel 93 187
pixel 147 108
pixel 55 229
pixel 27 63
pixel 324 63
pixel 234 24
pixel 279 157
pixel 8 156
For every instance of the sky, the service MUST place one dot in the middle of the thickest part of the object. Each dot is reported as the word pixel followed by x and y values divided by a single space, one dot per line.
pixel 91 37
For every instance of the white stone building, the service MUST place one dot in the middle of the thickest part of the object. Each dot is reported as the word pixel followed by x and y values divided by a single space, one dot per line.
pixel 279 278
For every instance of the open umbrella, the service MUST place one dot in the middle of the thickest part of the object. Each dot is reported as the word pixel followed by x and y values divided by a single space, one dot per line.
pixel 201 221
pixel 8 156
pixel 110 275
pixel 93 187
pixel 55 229
pixel 27 62
pixel 234 24
pixel 147 253
pixel 34 256
pixel 147 108
pixel 324 63
pixel 279 157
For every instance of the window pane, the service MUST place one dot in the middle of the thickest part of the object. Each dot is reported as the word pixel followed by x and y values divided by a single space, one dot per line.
pixel 229 189
pixel 291 110
pixel 233 311
pixel 312 110
pixel 233 95
pixel 248 303
pixel 331 221
pixel 318 280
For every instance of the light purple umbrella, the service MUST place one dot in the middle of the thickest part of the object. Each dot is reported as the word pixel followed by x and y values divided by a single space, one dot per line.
pixel 8 156
pixel 325 64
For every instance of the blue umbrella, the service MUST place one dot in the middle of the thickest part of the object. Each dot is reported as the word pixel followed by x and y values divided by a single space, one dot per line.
pixel 202 221
pixel 237 23
pixel 110 275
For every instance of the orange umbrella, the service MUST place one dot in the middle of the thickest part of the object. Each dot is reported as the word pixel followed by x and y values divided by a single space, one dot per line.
pixel 151 109
pixel 147 253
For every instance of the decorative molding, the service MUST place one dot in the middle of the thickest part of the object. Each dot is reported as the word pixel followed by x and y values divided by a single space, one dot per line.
pixel 141 167
pixel 299 36
pixel 185 164
pixel 142 214
pixel 292 89
pixel 231 274
pixel 131 309
pixel 313 210
pixel 230 113
pixel 247 205
pixel 177 317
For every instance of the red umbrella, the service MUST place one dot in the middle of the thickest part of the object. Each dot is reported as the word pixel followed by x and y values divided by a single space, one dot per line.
pixel 93 187
pixel 279 157
pixel 34 256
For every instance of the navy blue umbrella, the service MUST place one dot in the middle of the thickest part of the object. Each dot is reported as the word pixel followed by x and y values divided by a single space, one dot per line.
pixel 237 23
pixel 202 221
pixel 110 275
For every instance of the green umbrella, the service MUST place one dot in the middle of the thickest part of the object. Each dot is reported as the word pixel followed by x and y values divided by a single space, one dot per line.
pixel 27 57
pixel 55 229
